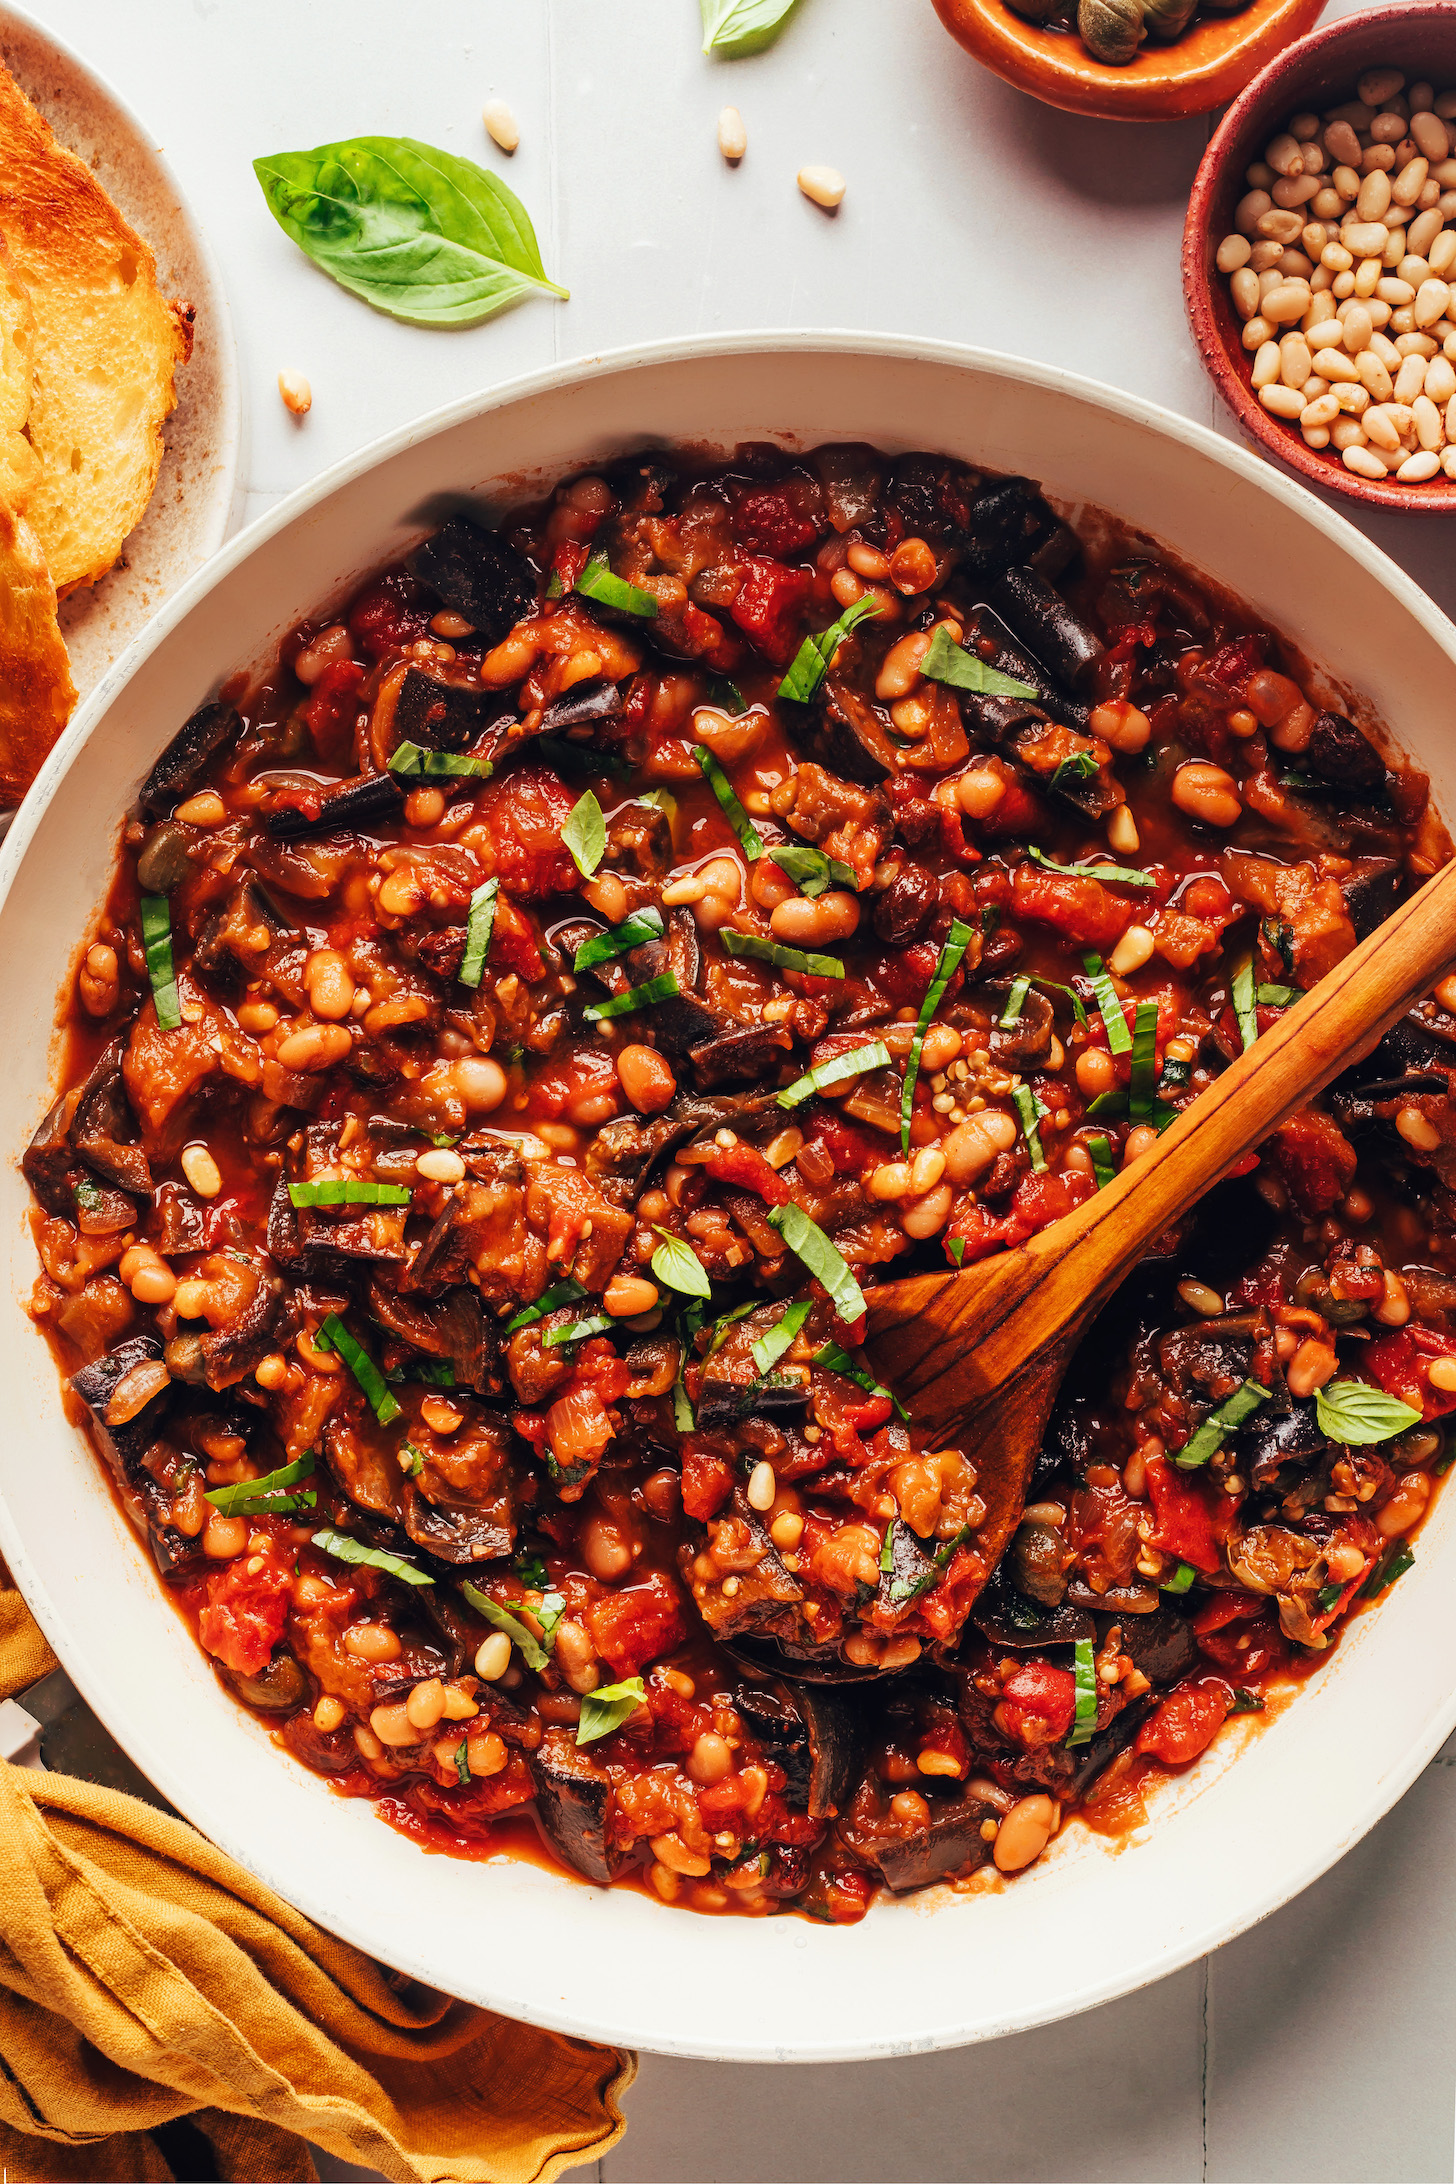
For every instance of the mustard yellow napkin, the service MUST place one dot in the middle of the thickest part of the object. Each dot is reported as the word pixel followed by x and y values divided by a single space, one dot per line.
pixel 145 1978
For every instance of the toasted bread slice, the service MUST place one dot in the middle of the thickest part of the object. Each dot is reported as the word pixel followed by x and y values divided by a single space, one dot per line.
pixel 19 463
pixel 36 691
pixel 106 346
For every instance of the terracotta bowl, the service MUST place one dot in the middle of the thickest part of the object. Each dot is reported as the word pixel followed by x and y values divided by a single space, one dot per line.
pixel 1319 72
pixel 1197 72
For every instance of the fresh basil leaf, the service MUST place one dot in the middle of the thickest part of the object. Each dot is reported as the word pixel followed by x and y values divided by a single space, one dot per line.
pixel 678 1265
pixel 1069 992
pixel 947 662
pixel 88 1195
pixel 411 1460
pixel 606 1708
pixel 1084 1672
pixel 1114 875
pixel 733 29
pixel 334 1335
pixel 816 655
pixel 636 997
pixel 585 834
pixel 819 1079
pixel 1246 1702
pixel 266 1496
pixel 956 943
pixel 1081 766
pixel 814 1250
pixel 1352 1412
pixel 811 871
pixel 344 1549
pixel 532 1652
pixel 347 1190
pixel 566 1291
pixel 784 959
pixel 726 697
pixel 727 796
pixel 1024 1101
pixel 419 233
pixel 682 1409
pixel 531 1570
pixel 156 914
pixel 462 1764
pixel 956 1246
pixel 410 759
pixel 1241 992
pixel 770 1347
pixel 640 926
pixel 597 581
pixel 1219 1423
pixel 663 799
pixel 478 928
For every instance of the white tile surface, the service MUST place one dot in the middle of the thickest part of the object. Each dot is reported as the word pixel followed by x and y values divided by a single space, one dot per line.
pixel 1319 2045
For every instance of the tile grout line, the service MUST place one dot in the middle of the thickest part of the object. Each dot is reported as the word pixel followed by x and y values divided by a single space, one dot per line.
pixel 1203 1985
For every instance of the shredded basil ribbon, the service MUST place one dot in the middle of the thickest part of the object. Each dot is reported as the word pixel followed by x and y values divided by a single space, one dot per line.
pixel 770 1347
pixel 1144 1072
pixel 344 1549
pixel 334 1335
pixel 532 1652
pixel 1109 1008
pixel 840 1361
pixel 606 1708
pixel 566 1291
pixel 411 1460
pixel 783 959
pixel 1084 1672
pixel 636 997
pixel 1230 1414
pixel 350 1190
pixel 816 654
pixel 1181 1579
pixel 1015 1001
pixel 813 1249
pixel 811 871
pixel 910 1588
pixel 267 1496
pixel 1277 997
pixel 157 941
pixel 1103 1167
pixel 1397 1559
pixel 947 662
pixel 408 758
pixel 956 944
pixel 1025 1102
pixel 733 811
pixel 1081 766
pixel 640 926
pixel 1115 874
pixel 1074 997
pixel 597 1324
pixel 479 927
pixel 596 581
pixel 843 1066
pixel 1241 989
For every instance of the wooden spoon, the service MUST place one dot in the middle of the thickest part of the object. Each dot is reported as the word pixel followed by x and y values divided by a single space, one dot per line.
pixel 979 1354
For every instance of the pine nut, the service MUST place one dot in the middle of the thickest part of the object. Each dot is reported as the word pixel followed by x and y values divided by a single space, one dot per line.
pixel 440 1165
pixel 1133 950
pixel 732 136
pixel 296 392
pixel 763 1485
pixel 825 186
pixel 501 125
pixel 493 1657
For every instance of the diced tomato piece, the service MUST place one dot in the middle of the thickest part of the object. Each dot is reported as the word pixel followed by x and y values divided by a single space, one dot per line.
pixel 568 561
pixel 768 604
pixel 1223 1608
pixel 244 1616
pixel 524 814
pixel 1248 1647
pixel 707 1481
pixel 1037 1704
pixel 1186 1723
pixel 1316 1160
pixel 331 707
pixel 599 1367
pixel 1208 898
pixel 1232 664
pixel 513 942
pixel 767 520
pixel 577 1428
pixel 852 1146
pixel 387 617
pixel 745 1166
pixel 631 1628
pixel 903 975
pixel 582 1073
pixel 1083 911
pixel 1192 1521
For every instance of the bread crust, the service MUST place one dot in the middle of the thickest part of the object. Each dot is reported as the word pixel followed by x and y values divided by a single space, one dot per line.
pixel 107 344
pixel 36 690
pixel 19 463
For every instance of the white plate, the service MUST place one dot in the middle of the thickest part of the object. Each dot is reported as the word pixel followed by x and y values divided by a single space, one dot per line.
pixel 1263 1813
pixel 194 501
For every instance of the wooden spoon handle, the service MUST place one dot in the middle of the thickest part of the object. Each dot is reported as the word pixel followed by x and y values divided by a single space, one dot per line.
pixel 1324 1033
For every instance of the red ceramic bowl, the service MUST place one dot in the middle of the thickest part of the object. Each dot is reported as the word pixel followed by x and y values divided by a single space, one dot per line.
pixel 1319 72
